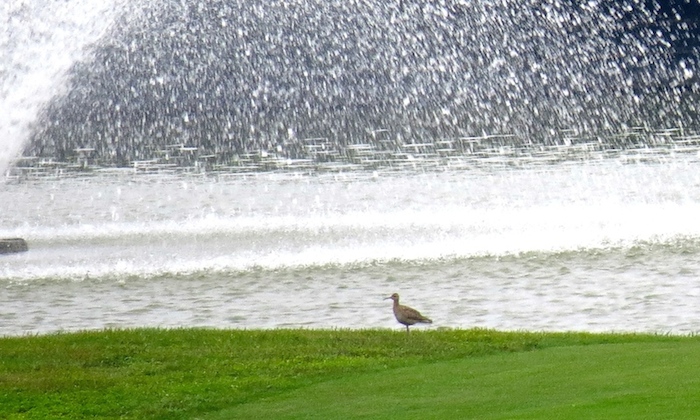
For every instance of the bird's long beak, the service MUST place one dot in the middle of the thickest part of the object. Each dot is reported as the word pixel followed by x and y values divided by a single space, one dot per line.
pixel 388 297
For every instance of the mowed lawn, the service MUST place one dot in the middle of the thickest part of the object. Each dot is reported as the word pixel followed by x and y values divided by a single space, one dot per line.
pixel 609 381
pixel 225 374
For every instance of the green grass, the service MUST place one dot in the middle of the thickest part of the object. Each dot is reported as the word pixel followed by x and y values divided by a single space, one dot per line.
pixel 212 374
pixel 615 381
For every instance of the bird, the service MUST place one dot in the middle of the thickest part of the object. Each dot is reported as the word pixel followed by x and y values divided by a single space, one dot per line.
pixel 406 315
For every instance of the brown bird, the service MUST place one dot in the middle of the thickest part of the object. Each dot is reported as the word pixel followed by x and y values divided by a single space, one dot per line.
pixel 405 315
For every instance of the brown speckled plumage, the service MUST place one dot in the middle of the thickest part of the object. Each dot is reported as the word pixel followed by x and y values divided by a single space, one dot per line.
pixel 406 315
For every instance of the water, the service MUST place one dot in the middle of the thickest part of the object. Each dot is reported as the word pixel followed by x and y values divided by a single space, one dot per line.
pixel 600 245
pixel 39 42
pixel 227 79
pixel 242 164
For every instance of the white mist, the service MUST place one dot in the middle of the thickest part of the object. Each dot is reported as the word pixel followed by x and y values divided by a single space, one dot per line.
pixel 39 41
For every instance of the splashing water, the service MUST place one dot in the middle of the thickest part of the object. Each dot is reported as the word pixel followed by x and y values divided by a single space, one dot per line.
pixel 40 41
pixel 603 242
pixel 236 77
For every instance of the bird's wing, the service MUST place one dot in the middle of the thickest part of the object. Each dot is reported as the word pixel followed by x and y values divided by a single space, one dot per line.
pixel 413 314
